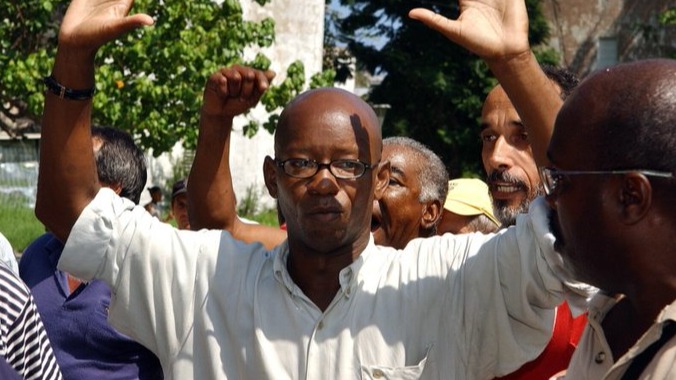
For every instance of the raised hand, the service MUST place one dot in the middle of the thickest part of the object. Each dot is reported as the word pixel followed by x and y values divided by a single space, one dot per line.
pixel 233 90
pixel 492 29
pixel 89 24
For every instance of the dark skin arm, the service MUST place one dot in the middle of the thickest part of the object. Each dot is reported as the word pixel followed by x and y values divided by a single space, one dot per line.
pixel 67 176
pixel 497 31
pixel 229 92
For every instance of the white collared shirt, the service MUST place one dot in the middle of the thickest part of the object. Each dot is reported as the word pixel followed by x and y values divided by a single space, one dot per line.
pixel 593 359
pixel 212 307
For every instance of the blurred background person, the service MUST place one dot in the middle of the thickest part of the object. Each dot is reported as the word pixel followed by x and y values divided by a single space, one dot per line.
pixel 179 204
pixel 468 208
pixel 154 207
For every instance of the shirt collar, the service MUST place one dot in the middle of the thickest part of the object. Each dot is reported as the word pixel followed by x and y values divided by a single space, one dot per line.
pixel 348 276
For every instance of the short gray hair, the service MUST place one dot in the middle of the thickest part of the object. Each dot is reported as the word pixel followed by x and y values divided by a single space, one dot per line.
pixel 433 177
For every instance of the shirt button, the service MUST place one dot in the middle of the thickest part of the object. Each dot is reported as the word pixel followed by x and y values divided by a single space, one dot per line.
pixel 377 374
pixel 320 325
pixel 600 357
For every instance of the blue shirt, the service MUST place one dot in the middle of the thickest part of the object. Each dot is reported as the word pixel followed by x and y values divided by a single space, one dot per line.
pixel 7 372
pixel 86 346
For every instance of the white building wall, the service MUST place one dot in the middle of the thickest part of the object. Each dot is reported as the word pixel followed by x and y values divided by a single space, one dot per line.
pixel 299 31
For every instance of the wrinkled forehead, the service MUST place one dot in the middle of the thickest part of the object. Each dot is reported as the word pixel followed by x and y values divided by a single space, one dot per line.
pixel 404 160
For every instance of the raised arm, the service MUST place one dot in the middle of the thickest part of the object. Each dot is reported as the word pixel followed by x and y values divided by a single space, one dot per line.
pixel 497 31
pixel 67 174
pixel 228 93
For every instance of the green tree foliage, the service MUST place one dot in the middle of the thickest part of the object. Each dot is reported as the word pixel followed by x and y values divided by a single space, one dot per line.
pixel 668 19
pixel 434 87
pixel 149 82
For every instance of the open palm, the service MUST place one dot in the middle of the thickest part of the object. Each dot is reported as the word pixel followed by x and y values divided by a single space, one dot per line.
pixel 489 28
pixel 88 24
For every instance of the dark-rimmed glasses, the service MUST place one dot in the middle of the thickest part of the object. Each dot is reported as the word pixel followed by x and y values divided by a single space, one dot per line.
pixel 306 168
pixel 552 178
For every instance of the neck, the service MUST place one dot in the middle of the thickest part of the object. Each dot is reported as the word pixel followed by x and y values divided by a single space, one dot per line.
pixel 317 273
pixel 634 313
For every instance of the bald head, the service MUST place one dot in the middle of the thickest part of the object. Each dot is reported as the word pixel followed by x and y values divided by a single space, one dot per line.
pixel 331 108
pixel 625 116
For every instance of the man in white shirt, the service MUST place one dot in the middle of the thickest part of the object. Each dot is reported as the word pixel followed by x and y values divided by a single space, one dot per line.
pixel 608 173
pixel 326 304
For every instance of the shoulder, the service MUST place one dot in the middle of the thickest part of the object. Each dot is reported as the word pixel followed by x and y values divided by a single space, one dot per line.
pixel 11 286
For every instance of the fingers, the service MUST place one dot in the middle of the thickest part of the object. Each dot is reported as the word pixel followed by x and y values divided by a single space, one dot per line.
pixel 234 90
pixel 240 82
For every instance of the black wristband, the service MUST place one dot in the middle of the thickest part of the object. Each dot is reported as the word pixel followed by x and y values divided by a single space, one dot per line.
pixel 64 92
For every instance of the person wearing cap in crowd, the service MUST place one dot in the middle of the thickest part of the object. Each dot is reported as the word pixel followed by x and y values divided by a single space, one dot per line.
pixel 179 204
pixel 468 208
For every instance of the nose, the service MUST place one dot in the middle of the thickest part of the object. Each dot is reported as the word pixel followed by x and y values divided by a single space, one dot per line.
pixel 323 182
pixel 500 157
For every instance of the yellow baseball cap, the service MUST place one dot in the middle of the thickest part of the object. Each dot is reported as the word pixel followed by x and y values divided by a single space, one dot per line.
pixel 469 196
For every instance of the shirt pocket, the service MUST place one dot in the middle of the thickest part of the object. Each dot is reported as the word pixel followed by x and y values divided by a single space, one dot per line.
pixel 375 372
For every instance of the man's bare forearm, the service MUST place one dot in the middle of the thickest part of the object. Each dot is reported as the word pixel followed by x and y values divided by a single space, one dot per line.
pixel 535 97
pixel 210 192
pixel 67 179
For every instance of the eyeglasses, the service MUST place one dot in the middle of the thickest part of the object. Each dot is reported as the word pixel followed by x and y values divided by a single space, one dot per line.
pixel 552 178
pixel 304 168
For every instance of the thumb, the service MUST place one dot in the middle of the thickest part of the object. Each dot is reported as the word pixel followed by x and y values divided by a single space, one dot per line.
pixel 449 28
pixel 132 22
pixel 270 75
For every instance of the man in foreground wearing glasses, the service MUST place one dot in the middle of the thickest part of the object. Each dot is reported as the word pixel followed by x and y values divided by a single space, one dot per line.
pixel 611 167
pixel 326 304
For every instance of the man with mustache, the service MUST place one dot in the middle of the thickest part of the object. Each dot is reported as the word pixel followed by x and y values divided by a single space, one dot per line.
pixel 506 153
pixel 514 182
pixel 326 304
pixel 611 164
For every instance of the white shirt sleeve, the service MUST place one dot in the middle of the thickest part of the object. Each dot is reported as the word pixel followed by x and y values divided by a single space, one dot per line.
pixel 7 256
pixel 503 292
pixel 123 245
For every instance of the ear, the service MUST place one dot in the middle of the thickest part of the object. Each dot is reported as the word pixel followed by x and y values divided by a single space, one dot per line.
pixel 270 176
pixel 431 214
pixel 635 197
pixel 382 179
pixel 116 187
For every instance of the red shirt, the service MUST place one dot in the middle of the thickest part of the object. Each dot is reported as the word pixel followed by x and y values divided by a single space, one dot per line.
pixel 559 350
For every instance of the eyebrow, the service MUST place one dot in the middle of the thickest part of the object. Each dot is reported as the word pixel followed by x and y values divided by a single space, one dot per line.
pixel 397 170
pixel 512 123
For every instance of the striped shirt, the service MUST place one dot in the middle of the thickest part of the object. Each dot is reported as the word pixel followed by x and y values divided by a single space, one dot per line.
pixel 23 341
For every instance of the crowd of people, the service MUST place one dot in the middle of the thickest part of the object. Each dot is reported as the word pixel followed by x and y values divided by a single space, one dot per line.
pixel 558 266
